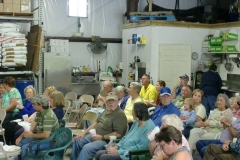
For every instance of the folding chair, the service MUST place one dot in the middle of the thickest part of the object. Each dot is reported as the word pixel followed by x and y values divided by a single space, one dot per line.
pixel 72 96
pixel 66 109
pixel 2 117
pixel 83 99
pixel 81 112
pixel 88 116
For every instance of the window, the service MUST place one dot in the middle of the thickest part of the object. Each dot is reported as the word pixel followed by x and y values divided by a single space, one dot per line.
pixel 77 8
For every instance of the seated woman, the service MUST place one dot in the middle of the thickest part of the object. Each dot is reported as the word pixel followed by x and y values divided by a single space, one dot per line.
pixel 198 107
pixel 212 126
pixel 235 107
pixel 57 103
pixel 27 107
pixel 48 91
pixel 170 141
pixel 188 116
pixel 134 139
pixel 159 85
pixel 9 99
pixel 2 90
pixel 167 120
pixel 122 95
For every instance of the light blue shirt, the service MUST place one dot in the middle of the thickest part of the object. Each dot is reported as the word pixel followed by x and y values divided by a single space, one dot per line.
pixel 136 138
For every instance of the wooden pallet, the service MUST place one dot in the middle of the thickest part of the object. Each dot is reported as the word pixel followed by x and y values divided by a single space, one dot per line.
pixel 151 13
pixel 17 14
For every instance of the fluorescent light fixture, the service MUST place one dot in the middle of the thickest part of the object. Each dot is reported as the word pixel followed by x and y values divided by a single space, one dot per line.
pixel 77 8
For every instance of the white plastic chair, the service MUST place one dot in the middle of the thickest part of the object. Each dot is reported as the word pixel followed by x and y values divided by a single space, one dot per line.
pixel 8 155
pixel 2 117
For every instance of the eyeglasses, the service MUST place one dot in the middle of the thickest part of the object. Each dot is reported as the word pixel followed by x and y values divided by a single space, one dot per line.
pixel 161 145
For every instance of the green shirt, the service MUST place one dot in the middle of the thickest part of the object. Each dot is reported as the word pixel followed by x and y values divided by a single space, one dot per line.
pixel 7 96
pixel 178 101
pixel 46 121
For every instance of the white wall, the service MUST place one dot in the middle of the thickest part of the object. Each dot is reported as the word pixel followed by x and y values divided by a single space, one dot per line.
pixel 82 56
pixel 105 18
pixel 160 35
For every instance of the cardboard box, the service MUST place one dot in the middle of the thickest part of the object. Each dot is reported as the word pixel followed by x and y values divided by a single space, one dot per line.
pixel 63 42
pixel 64 49
pixel 25 8
pixel 7 1
pixel 229 36
pixel 7 7
pixel 55 49
pixel 1 7
pixel 16 7
pixel 54 42
pixel 16 1
pixel 216 48
pixel 229 48
pixel 27 2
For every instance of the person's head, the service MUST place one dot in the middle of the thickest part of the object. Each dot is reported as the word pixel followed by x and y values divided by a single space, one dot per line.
pixel 112 101
pixel 236 103
pixel 40 103
pixel 2 89
pixel 174 120
pixel 108 86
pixel 165 96
pixel 140 111
pixel 222 102
pixel 145 80
pixel 121 91
pixel 160 84
pixel 186 91
pixel 184 80
pixel 188 104
pixel 9 82
pixel 29 92
pixel 57 99
pixel 169 139
pixel 213 68
pixel 134 88
pixel 48 91
pixel 197 96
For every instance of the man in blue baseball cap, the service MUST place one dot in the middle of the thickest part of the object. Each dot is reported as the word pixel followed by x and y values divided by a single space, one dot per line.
pixel 165 107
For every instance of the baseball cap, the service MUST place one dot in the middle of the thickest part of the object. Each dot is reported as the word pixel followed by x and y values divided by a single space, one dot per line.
pixel 111 95
pixel 184 77
pixel 41 99
pixel 165 90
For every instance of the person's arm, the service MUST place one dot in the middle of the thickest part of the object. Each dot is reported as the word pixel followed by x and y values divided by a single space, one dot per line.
pixel 182 155
pixel 152 146
pixel 12 105
pixel 173 96
pixel 235 146
pixel 191 119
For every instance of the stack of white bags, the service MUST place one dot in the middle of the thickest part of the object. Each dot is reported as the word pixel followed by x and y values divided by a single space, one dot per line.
pixel 13 44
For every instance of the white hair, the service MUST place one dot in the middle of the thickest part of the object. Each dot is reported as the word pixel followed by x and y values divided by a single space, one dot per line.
pixel 174 120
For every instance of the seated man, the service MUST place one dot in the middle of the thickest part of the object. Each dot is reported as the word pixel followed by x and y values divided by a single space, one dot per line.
pixel 185 93
pixel 231 131
pixel 112 122
pixel 45 123
pixel 178 87
pixel 228 151
pixel 165 107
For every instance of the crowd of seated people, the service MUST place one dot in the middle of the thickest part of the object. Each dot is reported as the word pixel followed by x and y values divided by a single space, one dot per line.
pixel 185 126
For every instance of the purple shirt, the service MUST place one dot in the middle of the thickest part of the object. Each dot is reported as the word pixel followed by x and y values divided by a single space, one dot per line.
pixel 226 134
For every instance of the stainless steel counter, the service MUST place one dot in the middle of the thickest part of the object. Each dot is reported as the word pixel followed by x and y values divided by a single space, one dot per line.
pixel 86 88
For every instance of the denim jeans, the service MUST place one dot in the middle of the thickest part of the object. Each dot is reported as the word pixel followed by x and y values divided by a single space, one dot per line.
pixel 202 145
pixel 86 148
pixel 209 103
pixel 24 144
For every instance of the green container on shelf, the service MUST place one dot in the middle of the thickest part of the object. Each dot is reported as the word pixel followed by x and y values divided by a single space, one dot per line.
pixel 229 36
pixel 216 48
pixel 216 40
pixel 229 48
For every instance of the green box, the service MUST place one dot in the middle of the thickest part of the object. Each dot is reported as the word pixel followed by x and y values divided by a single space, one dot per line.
pixel 216 41
pixel 205 43
pixel 229 48
pixel 229 36
pixel 216 48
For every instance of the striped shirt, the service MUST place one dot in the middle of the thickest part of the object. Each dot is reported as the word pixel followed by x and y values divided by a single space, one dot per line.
pixel 46 121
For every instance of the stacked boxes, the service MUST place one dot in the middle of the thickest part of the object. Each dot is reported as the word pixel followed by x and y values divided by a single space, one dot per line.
pixel 58 45
pixel 227 42
pixel 13 45
pixel 15 6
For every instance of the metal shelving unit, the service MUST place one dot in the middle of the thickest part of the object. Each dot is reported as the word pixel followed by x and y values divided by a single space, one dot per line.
pixel 38 83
